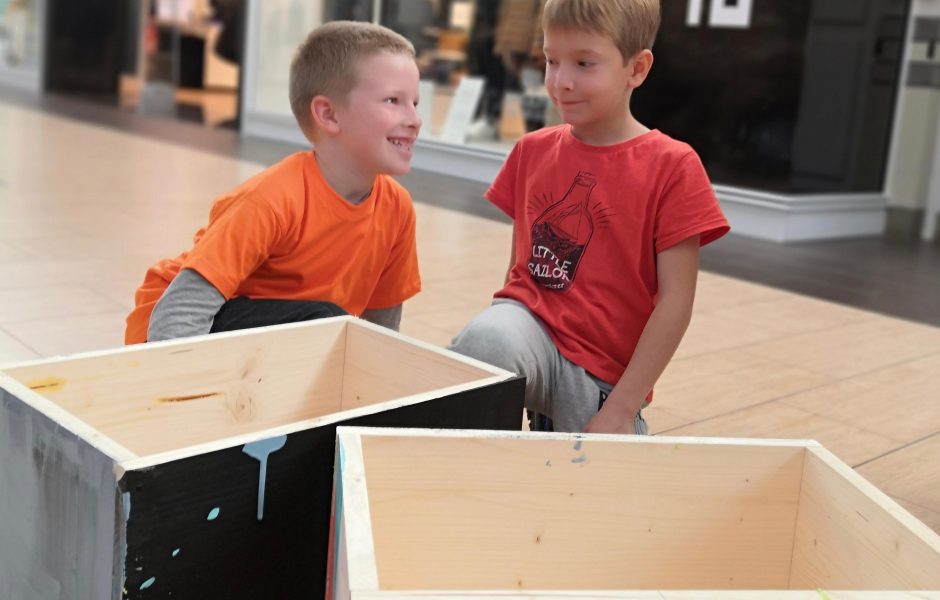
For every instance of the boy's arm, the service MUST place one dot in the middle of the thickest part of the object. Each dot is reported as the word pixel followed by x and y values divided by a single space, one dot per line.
pixel 386 317
pixel 512 254
pixel 186 308
pixel 676 269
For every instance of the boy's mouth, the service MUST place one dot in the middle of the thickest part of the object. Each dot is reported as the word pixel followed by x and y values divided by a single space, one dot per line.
pixel 402 143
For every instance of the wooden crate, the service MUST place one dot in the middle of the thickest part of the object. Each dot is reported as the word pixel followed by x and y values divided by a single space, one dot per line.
pixel 492 514
pixel 203 468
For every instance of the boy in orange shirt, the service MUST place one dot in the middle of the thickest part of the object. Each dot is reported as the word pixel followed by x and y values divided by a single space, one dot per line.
pixel 608 219
pixel 321 233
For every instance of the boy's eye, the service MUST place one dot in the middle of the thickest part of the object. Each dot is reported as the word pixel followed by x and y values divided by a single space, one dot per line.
pixel 392 100
pixel 550 61
pixel 584 63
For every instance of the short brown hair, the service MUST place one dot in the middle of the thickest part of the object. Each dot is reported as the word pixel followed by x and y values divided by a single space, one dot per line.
pixel 325 63
pixel 631 24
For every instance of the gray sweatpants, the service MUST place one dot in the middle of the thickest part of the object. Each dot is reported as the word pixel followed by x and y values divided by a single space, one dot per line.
pixel 509 336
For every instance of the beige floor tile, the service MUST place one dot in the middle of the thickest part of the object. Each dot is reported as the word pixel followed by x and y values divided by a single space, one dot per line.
pixel 436 298
pixel 661 418
pixel 912 475
pixel 68 335
pixel 855 348
pixel 35 273
pixel 776 420
pixel 10 253
pixel 901 402
pixel 120 291
pixel 51 302
pixel 475 294
pixel 12 350
pixel 930 518
pixel 717 331
pixel 716 383
pixel 715 292
pixel 426 332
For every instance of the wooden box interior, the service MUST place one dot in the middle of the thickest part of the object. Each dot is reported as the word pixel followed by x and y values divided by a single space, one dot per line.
pixel 487 511
pixel 158 398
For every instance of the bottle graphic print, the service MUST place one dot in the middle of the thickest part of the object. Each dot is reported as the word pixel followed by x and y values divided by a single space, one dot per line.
pixel 561 234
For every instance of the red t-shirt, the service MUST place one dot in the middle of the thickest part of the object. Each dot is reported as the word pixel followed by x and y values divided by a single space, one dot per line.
pixel 589 223
pixel 285 234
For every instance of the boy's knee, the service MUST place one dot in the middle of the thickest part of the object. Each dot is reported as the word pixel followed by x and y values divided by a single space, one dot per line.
pixel 485 339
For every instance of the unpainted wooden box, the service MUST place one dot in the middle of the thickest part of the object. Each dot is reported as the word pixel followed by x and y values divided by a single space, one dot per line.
pixel 465 514
pixel 203 468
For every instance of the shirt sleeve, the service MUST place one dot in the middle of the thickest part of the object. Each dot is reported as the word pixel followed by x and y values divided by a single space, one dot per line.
pixel 400 278
pixel 186 308
pixel 236 243
pixel 688 206
pixel 503 191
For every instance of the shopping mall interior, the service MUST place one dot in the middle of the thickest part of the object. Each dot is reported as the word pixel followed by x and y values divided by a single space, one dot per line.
pixel 817 317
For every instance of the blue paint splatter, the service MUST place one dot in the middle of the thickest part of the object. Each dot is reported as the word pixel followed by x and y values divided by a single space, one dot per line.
pixel 577 445
pixel 175 553
pixel 260 451
pixel 148 583
pixel 579 460
pixel 213 514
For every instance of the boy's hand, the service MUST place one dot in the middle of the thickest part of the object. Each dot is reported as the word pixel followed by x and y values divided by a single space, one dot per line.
pixel 610 420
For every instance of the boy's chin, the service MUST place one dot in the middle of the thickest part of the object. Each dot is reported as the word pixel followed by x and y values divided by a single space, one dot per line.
pixel 396 170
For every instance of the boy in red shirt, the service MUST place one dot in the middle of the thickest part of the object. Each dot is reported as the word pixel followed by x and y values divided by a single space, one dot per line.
pixel 323 232
pixel 608 220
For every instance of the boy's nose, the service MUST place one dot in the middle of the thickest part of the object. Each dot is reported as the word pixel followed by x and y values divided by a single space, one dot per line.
pixel 413 119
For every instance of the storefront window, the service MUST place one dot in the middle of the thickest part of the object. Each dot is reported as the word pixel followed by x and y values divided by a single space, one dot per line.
pixel 19 36
pixel 480 70
pixel 794 97
pixel 282 25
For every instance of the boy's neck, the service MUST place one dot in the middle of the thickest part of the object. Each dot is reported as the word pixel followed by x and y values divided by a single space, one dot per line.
pixel 615 130
pixel 344 177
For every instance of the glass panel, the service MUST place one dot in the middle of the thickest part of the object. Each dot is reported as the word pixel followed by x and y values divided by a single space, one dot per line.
pixel 282 26
pixel 19 35
pixel 490 43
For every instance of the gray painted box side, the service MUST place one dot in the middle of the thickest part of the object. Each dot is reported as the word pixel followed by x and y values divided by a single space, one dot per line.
pixel 60 529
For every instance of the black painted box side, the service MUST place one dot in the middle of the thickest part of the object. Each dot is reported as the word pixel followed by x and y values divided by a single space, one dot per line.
pixel 175 551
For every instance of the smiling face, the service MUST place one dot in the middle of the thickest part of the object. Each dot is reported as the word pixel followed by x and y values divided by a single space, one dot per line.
pixel 589 81
pixel 378 120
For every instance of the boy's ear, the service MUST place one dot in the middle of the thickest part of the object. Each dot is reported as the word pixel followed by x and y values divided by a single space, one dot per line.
pixel 640 66
pixel 323 111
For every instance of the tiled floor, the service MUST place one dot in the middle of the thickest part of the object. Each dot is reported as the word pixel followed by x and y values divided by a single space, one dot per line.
pixel 86 209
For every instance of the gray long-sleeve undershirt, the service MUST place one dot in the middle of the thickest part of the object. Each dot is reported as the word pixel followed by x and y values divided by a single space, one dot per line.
pixel 190 303
pixel 186 308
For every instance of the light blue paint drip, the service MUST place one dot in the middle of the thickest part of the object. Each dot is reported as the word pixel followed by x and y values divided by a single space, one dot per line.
pixel 126 505
pixel 577 445
pixel 148 583
pixel 213 514
pixel 259 451
pixel 175 553
pixel 579 460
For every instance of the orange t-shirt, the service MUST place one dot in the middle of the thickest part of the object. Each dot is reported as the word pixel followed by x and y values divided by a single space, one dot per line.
pixel 285 234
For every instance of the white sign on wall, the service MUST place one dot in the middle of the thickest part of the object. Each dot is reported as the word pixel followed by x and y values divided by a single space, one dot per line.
pixel 721 14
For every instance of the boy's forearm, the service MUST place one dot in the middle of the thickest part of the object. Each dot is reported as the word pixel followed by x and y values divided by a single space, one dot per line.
pixel 187 308
pixel 658 342
pixel 389 318
pixel 512 254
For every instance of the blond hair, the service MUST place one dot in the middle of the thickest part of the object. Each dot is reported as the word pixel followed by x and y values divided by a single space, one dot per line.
pixel 325 63
pixel 631 24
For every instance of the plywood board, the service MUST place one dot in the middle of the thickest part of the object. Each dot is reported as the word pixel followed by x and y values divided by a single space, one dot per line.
pixel 851 535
